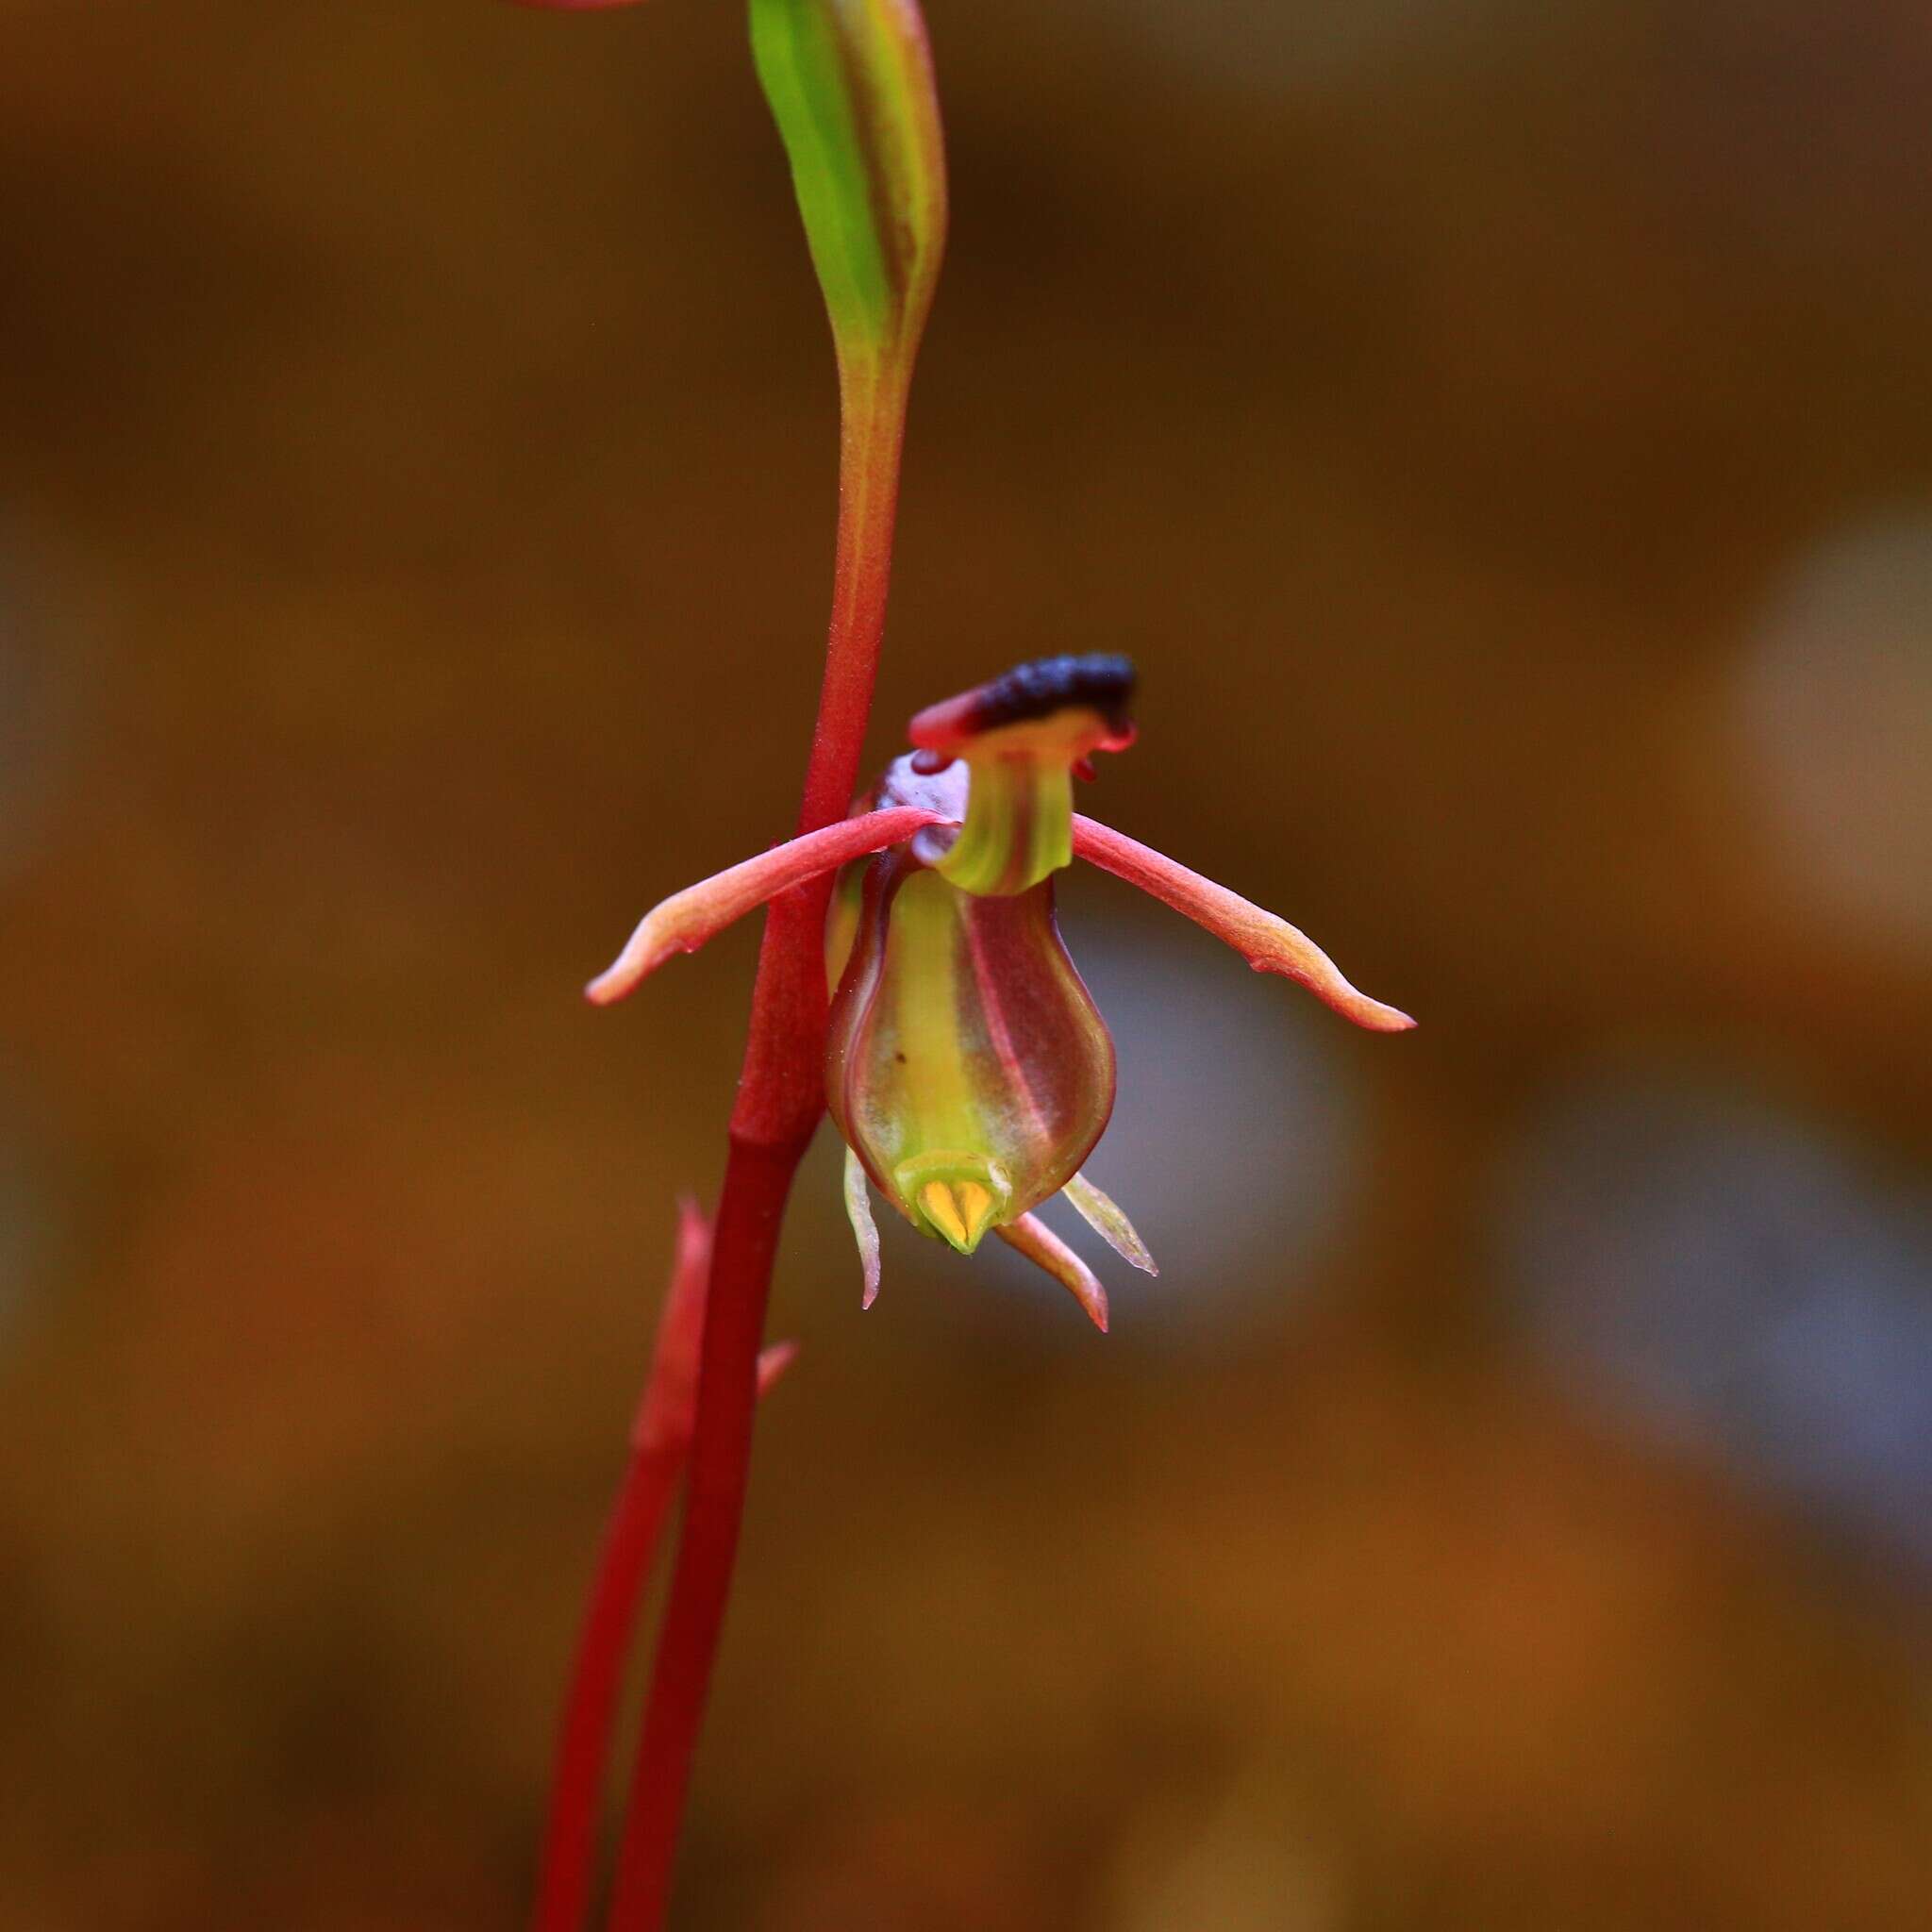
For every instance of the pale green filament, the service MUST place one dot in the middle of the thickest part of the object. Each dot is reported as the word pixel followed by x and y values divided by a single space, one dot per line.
pixel 864 1228
pixel 946 1188
pixel 1019 824
pixel 1102 1214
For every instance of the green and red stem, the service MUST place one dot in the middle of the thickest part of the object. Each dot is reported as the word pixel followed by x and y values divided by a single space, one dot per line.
pixel 850 86
pixel 780 1098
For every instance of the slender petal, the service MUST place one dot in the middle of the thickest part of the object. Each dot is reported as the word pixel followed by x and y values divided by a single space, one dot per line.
pixel 1045 1249
pixel 1269 944
pixel 865 1230
pixel 1103 1215
pixel 685 920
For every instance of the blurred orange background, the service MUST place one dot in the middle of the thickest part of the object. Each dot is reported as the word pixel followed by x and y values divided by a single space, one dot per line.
pixel 1503 435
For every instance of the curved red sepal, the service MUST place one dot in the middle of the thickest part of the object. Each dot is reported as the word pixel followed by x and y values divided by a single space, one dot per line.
pixel 1268 943
pixel 1045 1249
pixel 684 921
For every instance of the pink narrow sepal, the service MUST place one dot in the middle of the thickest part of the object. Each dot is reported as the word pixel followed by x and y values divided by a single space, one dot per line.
pixel 1267 943
pixel 685 920
pixel 1045 1249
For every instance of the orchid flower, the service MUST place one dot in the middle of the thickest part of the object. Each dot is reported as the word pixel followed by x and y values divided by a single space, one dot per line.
pixel 967 1067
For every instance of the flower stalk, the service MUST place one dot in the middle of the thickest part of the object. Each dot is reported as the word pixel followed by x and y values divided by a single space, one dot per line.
pixel 967 1067
pixel 850 86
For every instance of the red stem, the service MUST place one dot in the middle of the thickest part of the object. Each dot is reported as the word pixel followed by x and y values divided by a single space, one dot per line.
pixel 871 423
pixel 563 1889
pixel 780 1096
pixel 661 1440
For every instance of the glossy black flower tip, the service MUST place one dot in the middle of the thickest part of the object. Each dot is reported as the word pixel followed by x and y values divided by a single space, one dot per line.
pixel 1101 681
pixel 1101 684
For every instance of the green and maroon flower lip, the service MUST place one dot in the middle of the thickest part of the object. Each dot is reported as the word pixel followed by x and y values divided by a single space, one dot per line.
pixel 967 1068
pixel 1022 738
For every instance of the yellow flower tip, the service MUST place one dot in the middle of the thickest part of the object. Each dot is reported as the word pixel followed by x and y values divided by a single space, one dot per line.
pixel 974 1202
pixel 936 1202
pixel 961 1212
pixel 955 1195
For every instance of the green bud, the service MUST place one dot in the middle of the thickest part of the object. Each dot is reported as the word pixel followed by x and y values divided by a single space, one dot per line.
pixel 850 84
